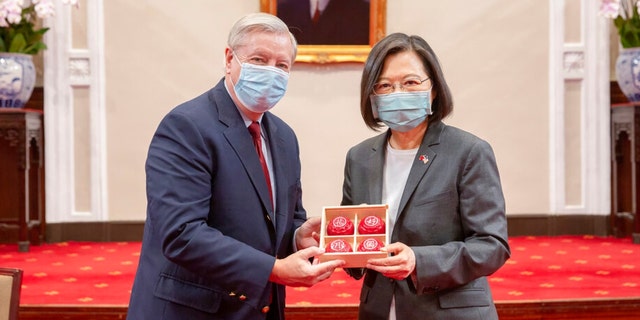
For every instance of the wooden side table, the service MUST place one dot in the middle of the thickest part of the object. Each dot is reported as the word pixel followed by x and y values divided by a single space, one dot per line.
pixel 22 217
pixel 625 170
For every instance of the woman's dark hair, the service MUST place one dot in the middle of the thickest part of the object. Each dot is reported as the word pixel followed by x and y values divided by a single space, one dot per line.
pixel 399 42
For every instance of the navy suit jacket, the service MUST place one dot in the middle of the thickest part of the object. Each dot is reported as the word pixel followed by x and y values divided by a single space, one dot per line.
pixel 211 237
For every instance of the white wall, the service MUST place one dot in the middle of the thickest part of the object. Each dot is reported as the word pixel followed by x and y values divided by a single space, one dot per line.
pixel 496 54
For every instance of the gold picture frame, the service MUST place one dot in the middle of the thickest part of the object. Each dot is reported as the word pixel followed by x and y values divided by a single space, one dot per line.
pixel 321 53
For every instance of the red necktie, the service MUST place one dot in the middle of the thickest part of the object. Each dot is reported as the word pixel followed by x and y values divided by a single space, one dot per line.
pixel 254 129
pixel 316 14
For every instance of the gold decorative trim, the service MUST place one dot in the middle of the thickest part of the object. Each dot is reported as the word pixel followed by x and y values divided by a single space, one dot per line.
pixel 323 54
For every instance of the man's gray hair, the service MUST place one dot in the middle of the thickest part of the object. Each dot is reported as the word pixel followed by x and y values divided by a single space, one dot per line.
pixel 262 22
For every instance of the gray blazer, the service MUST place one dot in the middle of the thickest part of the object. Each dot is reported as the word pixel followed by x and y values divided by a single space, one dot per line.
pixel 452 214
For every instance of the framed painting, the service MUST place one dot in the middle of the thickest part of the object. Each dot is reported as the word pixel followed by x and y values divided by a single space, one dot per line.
pixel 331 31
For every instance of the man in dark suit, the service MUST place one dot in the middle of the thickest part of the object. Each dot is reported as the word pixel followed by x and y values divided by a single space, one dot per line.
pixel 225 228
pixel 337 22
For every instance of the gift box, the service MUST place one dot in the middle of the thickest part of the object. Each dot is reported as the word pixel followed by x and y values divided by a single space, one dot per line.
pixel 354 233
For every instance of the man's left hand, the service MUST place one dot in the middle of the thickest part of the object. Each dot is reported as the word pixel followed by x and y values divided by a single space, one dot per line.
pixel 308 235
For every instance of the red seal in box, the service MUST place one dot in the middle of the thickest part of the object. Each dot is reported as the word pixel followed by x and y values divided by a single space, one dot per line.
pixel 338 245
pixel 339 226
pixel 340 241
pixel 370 244
pixel 371 225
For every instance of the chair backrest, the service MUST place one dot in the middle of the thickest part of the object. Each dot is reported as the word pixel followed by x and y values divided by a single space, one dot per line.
pixel 10 284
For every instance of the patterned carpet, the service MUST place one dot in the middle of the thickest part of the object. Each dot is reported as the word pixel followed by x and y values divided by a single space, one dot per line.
pixel 541 268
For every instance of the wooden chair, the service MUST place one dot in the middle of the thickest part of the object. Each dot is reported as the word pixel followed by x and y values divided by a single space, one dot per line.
pixel 10 284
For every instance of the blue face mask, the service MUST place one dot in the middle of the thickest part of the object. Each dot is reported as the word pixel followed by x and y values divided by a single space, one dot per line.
pixel 259 88
pixel 402 111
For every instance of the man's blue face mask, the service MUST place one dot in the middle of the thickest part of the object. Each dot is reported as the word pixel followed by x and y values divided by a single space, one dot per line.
pixel 259 88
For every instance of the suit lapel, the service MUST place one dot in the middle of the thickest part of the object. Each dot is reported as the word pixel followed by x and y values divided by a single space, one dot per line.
pixel 276 146
pixel 277 149
pixel 425 156
pixel 374 166
pixel 240 140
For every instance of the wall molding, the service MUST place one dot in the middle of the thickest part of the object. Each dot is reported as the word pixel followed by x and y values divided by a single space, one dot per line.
pixel 585 62
pixel 65 69
pixel 520 225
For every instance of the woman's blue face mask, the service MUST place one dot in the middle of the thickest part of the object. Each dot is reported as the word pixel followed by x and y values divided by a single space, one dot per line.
pixel 402 111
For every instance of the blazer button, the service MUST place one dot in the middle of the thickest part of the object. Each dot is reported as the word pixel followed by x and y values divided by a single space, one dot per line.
pixel 265 309
pixel 242 297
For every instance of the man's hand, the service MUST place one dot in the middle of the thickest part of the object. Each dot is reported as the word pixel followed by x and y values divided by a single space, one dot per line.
pixel 398 266
pixel 296 270
pixel 308 235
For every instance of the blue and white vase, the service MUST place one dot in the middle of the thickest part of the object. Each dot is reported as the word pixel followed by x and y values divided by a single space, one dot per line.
pixel 628 73
pixel 17 78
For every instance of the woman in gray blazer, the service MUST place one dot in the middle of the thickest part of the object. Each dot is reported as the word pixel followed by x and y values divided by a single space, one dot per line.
pixel 446 207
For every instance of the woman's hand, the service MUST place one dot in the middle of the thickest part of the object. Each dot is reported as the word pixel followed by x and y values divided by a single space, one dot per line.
pixel 399 265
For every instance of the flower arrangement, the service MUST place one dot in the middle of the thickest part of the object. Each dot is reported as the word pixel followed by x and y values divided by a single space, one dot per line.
pixel 20 31
pixel 626 18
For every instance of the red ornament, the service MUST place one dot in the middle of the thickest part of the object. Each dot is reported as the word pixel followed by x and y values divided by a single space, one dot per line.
pixel 371 225
pixel 370 244
pixel 338 245
pixel 340 226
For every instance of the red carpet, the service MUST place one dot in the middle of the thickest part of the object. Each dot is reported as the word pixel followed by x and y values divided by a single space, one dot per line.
pixel 541 268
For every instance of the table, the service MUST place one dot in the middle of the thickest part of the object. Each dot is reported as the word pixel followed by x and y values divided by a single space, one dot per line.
pixel 22 217
pixel 625 170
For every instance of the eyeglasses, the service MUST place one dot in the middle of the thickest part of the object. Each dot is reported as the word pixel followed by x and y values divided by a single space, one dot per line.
pixel 408 84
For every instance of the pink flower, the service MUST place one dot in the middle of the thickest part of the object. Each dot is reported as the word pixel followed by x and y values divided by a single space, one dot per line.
pixel 613 9
pixel 10 12
pixel 44 8
pixel 610 8
pixel 626 19
pixel 20 30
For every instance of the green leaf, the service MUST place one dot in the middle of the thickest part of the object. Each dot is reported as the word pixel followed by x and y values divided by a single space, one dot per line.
pixel 18 43
pixel 35 48
pixel 629 28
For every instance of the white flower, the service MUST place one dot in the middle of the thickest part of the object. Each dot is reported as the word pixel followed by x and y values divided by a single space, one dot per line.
pixel 626 18
pixel 613 9
pixel 10 12
pixel 19 28
pixel 44 8
pixel 610 8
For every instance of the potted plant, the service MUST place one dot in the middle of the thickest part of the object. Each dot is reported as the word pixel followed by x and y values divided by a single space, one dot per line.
pixel 21 37
pixel 626 19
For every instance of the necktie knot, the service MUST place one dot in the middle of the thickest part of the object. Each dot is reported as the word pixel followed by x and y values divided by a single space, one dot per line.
pixel 254 129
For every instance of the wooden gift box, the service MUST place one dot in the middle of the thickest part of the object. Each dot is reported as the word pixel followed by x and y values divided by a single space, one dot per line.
pixel 354 213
